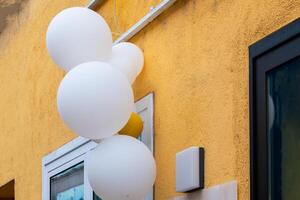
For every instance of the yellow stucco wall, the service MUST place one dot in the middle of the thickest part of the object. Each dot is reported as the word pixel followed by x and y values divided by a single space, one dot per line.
pixel 196 62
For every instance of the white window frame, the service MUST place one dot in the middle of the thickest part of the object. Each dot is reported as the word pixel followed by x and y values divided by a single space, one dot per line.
pixel 74 152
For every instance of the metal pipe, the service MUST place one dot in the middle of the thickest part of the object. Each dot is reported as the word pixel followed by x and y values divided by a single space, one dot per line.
pixel 94 3
pixel 155 12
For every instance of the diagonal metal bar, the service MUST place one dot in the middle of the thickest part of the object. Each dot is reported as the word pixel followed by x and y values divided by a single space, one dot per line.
pixel 156 11
pixel 94 3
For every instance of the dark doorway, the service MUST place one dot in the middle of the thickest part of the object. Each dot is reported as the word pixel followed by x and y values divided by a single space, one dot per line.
pixel 7 191
pixel 275 115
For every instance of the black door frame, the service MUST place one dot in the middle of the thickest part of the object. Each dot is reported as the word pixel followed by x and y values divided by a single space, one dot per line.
pixel 265 55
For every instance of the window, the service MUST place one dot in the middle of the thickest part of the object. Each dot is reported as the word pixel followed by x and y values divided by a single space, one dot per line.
pixel 275 115
pixel 64 176
pixel 68 184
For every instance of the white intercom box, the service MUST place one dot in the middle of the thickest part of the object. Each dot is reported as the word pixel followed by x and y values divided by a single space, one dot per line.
pixel 190 169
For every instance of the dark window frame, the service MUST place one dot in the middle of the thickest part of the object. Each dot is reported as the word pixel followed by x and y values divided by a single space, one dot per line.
pixel 265 55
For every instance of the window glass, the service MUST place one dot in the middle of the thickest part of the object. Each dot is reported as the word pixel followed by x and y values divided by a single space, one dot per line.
pixel 284 130
pixel 68 185
pixel 95 197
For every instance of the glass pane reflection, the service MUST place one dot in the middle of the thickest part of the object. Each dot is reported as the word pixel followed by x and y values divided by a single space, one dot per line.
pixel 68 185
pixel 284 131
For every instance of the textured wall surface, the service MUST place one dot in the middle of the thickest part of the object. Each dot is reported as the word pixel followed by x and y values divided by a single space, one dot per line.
pixel 196 62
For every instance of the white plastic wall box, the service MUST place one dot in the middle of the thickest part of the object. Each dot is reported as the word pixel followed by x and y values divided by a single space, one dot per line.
pixel 190 169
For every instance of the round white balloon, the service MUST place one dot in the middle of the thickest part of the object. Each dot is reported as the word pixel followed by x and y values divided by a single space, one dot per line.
pixel 77 35
pixel 95 100
pixel 121 168
pixel 128 58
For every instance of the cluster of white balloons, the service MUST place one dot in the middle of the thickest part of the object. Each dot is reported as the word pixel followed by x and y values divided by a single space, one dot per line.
pixel 95 100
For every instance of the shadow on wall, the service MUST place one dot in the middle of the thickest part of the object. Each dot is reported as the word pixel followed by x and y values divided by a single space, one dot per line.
pixel 9 8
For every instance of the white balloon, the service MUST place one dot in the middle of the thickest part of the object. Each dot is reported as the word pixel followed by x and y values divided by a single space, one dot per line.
pixel 121 168
pixel 128 58
pixel 77 35
pixel 95 100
